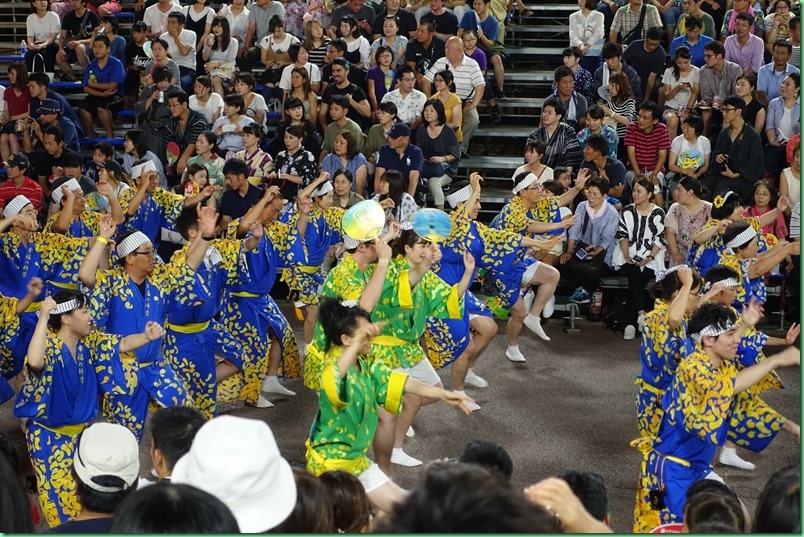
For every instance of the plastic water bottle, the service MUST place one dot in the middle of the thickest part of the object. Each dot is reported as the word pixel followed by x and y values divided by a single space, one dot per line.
pixel 596 307
pixel 23 48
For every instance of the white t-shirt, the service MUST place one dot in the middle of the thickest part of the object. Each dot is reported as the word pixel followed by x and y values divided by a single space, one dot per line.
pixel 214 104
pixel 546 175
pixel 312 70
pixel 207 13
pixel 156 20
pixel 682 98
pixel 42 28
pixel 690 155
pixel 187 37
pixel 785 129
pixel 280 47
pixel 238 24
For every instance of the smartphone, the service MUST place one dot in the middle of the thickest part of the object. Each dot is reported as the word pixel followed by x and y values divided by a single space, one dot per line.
pixel 581 254
pixel 228 128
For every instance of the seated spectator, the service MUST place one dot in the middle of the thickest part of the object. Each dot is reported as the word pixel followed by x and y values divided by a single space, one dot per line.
pixel 380 78
pixel 72 167
pixel 583 82
pixel 260 491
pixel 647 143
pixel 744 48
pixel 400 155
pixel 38 85
pixel 771 75
pixel 229 127
pixel 241 195
pixel 795 40
pixel 560 139
pixel 640 251
pixel 50 113
pixel 391 39
pixel 446 23
pixel 18 184
pixel 206 101
pixel 356 103
pixel 738 156
pixel 690 154
pixel 717 80
pixel 156 18
pixel 184 126
pixel 363 14
pixel 275 57
pixel 343 194
pixel 782 123
pixel 574 103
pixel 386 118
pixel 206 155
pixel 619 109
pixel 172 434
pixel 596 159
pixel 474 52
pixel 777 23
pixel 590 488
pixel 490 456
pixel 294 115
pixel 685 218
pixel 693 40
pixel 713 508
pixel 595 125
pixel 613 64
pixel 424 50
pixel 294 167
pixel 16 105
pixel 534 154
pixel 486 29
pixel 469 85
pixel 172 508
pixel 755 112
pixel 258 161
pixel 117 43
pixel 338 110
pixel 626 27
pixel 219 57
pixel 587 32
pixel 135 62
pixel 764 197
pixel 593 233
pixel 779 505
pixel 182 48
pixel 159 50
pixel 790 180
pixel 390 192
pixel 795 226
pixel 346 156
pixel 152 109
pixel 440 149
pixel 680 88
pixel 351 511
pixel 42 29
pixel 103 84
pixel 238 15
pixel 316 41
pixel 135 147
pixel 730 19
pixel 300 58
pixel 409 101
pixel 54 159
pixel 693 8
pixel 358 46
pixel 76 34
pixel 336 49
pixel 254 102
pixel 313 512
pixel 405 19
pixel 647 57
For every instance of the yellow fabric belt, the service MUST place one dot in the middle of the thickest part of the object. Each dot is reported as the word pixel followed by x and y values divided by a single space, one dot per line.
pixel 33 307
pixel 308 269
pixel 353 466
pixel 243 294
pixel 682 462
pixel 69 430
pixel 389 341
pixel 68 286
pixel 192 328
pixel 650 388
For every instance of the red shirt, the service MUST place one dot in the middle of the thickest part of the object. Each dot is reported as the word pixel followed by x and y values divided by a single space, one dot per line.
pixel 647 145
pixel 29 188
pixel 16 105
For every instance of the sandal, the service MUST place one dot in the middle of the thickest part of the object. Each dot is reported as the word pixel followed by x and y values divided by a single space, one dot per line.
pixel 527 13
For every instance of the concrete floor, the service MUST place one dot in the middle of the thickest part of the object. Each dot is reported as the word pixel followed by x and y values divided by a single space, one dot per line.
pixel 571 406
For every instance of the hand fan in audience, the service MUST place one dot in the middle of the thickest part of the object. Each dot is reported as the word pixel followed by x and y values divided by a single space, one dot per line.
pixel 364 221
pixel 146 48
pixel 172 153
pixel 432 224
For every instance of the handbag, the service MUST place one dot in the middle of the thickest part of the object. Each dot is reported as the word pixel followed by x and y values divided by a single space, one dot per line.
pixel 636 31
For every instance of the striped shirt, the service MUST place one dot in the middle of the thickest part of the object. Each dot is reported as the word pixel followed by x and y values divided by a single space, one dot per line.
pixel 29 188
pixel 795 222
pixel 711 84
pixel 647 145
pixel 468 76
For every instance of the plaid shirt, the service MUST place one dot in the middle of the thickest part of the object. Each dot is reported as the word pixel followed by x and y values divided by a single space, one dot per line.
pixel 625 20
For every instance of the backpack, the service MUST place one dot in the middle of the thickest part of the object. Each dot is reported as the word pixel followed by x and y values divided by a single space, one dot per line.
pixel 617 317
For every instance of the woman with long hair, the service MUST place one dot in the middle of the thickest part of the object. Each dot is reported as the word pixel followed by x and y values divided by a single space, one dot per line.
pixel 620 108
pixel 680 89
pixel 206 155
pixel 790 180
pixel 237 15
pixel 294 115
pixel 258 161
pixel 393 197
pixel 684 218
pixel 357 47
pixel 205 101
pixel 219 56
pixel 315 41
pixel 300 88
pixel 345 156
pixel 453 107
pixel 198 19
pixel 16 109
pixel 440 148
pixel 135 147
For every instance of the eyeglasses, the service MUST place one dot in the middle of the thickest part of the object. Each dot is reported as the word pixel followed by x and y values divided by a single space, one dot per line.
pixel 148 253
pixel 410 79
pixel 707 56
pixel 592 195
pixel 729 109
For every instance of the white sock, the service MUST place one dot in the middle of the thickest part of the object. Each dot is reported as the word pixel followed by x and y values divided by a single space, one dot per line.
pixel 513 354
pixel 272 385
pixel 535 325
pixel 729 457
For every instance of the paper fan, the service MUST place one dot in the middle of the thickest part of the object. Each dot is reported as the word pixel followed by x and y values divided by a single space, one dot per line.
pixel 364 221
pixel 172 152
pixel 432 224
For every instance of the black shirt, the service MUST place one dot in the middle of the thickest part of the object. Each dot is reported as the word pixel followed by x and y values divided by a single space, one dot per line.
pixel 446 23
pixel 357 95
pixel 407 22
pixel 80 27
pixel 135 55
pixel 235 206
pixel 424 58
pixel 356 75
pixel 43 161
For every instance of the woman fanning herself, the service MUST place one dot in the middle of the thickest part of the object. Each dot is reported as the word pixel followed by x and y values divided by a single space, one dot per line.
pixel 68 368
pixel 354 385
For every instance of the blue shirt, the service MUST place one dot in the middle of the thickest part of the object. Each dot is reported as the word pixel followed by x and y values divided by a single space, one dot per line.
pixel 66 108
pixel 696 50
pixel 768 80
pixel 411 159
pixel 776 111
pixel 113 72
pixel 490 26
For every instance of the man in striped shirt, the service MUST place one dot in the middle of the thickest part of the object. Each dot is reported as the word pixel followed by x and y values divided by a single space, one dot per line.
pixel 647 143
pixel 18 184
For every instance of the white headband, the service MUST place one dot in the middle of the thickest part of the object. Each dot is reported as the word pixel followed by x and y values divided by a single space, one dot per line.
pixel 406 225
pixel 325 188
pixel 713 330
pixel 746 235
pixel 459 196
pixel 66 307
pixel 525 183
pixel 16 205
pixel 131 243
pixel 349 303
pixel 350 243
pixel 140 169
pixel 662 274
pixel 728 282
pixel 71 184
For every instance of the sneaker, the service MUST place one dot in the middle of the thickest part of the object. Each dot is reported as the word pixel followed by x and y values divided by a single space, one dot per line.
pixel 500 94
pixel 580 296
pixel 630 332
pixel 494 112
pixel 398 456
pixel 549 307
pixel 641 322
pixel 513 354
pixel 473 379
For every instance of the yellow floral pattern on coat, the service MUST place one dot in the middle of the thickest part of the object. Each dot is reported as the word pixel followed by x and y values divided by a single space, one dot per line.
pixel 10 323
pixel 87 224
pixel 52 456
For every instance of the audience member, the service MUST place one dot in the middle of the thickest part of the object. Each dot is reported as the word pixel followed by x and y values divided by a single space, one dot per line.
pixel 363 14
pixel 717 80
pixel 156 17
pixel 693 8
pixel 584 83
pixel 680 88
pixel 409 101
pixel 183 127
pixel 356 103
pixel 103 84
pixel 50 114
pixel 294 167
pixel 400 155
pixel 771 75
pixel 206 101
pixel 313 511
pixel 587 33
pixel 16 106
pixel 693 40
pixel 15 508
pixel 440 150
pixel 560 139
pixel 613 64
pixel 647 143
pixel 260 14
pixel 690 154
pixel 172 432
pixel 630 23
pixel 42 29
pixel 182 48
pixel 381 78
pixel 39 86
pixel 490 456
pixel 779 506
pixel 744 48
pixel 446 22
pixel 406 21
pixel 219 57
pixel 358 47
pixel 596 159
pixel 777 23
pixel 685 218
pixel 755 110
pixel 590 488
pixel 730 19
pixel 783 121
pixel 55 158
pixel 574 103
pixel 76 33
pixel 647 57
pixel 424 50
pixel 351 511
pixel 18 184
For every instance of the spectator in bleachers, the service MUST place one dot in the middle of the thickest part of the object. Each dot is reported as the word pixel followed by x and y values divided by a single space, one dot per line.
pixel 409 101
pixel 219 57
pixel 343 195
pixel 356 103
pixel 764 197
pixel 254 102
pixel 595 125
pixel 159 50
pixel 18 183
pixel 391 39
pixel 777 23
pixel 102 152
pixel 50 113
pixel 486 29
pixel 261 12
pixel 596 159
pixel 358 47
pixel 258 161
pixel 584 83
pixel 440 149
pixel 229 127
pixel 790 180
pixel 336 49
pixel 593 232
pixel 198 19
pixel 117 43
pixel 690 154
pixel 560 139
pixel 647 144
pixel 346 156
pixel 76 33
pixel 17 100
pixel 647 57
pixel 739 161
pixel 390 193
pixel 42 29
pixel 574 103
pixel 152 109
pixel 380 78
pixel 300 89
pixel 680 88
pixel 294 167
pixel 181 47
pixel 208 156
pixel 685 218
pixel 241 194
pixel 156 17
pixel 626 27
pixel 400 155
pixel 795 40
pixel 717 80
pixel 640 251
pixel 294 115
pixel 693 40
pixel 184 126
pixel 771 75
pixel 274 56
pixel 782 123
pixel 453 108
pixel 363 15
pixel 406 21
pixel 469 85
pixel 54 159
pixel 112 173
pixel 707 23
pixel 315 42
pixel 236 14
pixel 135 147
pixel 743 48
pixel 300 58
pixel 424 50
pixel 172 434
pixel 730 19
pixel 587 34
pixel 534 151
pixel 206 101
pixel 338 110
pixel 613 64
pixel 445 21
pixel 39 86
pixel 72 168
pixel 386 118
pixel 474 52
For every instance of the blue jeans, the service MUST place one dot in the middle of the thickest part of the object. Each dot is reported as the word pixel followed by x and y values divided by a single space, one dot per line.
pixel 671 17
pixel 187 79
